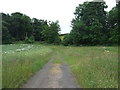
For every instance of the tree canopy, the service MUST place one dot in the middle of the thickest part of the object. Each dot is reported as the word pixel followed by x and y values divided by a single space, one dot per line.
pixel 93 25
pixel 20 27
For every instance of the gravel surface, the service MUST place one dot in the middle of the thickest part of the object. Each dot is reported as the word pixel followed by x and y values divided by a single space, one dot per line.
pixel 52 76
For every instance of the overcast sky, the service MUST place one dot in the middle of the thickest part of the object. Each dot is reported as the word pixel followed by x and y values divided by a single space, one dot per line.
pixel 61 10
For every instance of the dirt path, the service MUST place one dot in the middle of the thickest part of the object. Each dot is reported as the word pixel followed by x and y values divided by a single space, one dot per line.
pixel 52 76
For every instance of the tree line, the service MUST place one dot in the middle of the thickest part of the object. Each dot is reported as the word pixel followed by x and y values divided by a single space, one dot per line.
pixel 20 27
pixel 93 25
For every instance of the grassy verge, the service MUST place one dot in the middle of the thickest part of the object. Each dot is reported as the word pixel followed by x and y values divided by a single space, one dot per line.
pixel 93 67
pixel 18 65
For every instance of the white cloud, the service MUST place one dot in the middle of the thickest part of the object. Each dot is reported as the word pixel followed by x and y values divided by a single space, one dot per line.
pixel 53 10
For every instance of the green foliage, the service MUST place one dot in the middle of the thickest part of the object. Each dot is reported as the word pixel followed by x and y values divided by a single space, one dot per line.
pixel 113 26
pixel 50 33
pixel 80 33
pixel 22 28
pixel 20 25
pixel 95 32
pixel 38 27
pixel 92 25
pixel 67 40
pixel 30 40
pixel 6 37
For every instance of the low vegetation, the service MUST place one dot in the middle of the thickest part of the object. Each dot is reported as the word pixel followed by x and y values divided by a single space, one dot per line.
pixel 93 67
pixel 22 61
pixel 57 58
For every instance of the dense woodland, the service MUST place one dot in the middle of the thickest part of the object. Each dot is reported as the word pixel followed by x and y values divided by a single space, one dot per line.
pixel 92 25
pixel 20 27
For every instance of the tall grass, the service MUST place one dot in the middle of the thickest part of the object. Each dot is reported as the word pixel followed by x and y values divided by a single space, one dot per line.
pixel 19 66
pixel 93 67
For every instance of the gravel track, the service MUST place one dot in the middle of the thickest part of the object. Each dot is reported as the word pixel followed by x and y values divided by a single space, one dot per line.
pixel 52 76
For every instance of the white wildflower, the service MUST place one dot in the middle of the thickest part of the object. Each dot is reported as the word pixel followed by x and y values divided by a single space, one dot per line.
pixel 5 52
pixel 18 50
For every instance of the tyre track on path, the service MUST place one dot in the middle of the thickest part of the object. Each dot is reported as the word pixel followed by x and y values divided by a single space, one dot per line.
pixel 53 76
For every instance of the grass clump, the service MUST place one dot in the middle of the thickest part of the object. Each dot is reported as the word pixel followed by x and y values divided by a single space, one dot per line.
pixel 56 61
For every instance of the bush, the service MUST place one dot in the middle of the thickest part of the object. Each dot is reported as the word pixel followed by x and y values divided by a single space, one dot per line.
pixel 30 40
pixel 67 40
pixel 57 41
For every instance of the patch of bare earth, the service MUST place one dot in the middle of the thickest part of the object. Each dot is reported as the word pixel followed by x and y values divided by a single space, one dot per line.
pixel 55 74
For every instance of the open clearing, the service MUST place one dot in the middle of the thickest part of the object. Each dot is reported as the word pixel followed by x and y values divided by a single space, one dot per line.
pixel 92 67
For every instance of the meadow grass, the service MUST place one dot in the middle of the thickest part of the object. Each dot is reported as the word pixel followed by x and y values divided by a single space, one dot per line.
pixel 13 47
pixel 19 66
pixel 93 67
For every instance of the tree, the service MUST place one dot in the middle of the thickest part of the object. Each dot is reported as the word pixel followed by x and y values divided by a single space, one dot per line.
pixel 20 26
pixel 113 25
pixel 38 27
pixel 80 33
pixel 96 33
pixel 6 37
pixel 89 11
pixel 90 21
pixel 51 33
pixel 67 40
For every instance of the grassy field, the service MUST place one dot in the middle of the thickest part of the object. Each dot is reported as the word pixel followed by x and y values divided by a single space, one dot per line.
pixel 21 61
pixel 93 67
